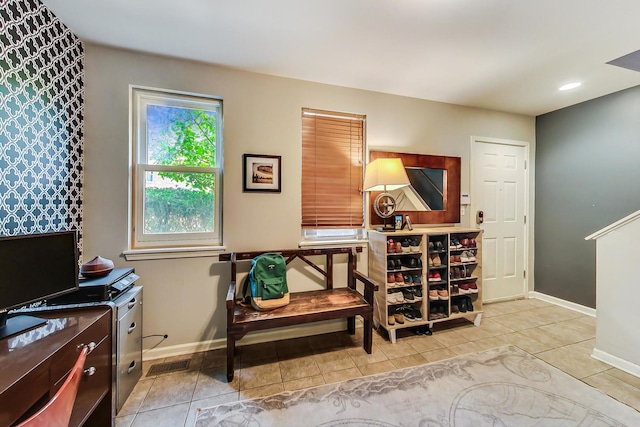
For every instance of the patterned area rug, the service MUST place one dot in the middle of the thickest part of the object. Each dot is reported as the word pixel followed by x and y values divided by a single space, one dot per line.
pixel 501 387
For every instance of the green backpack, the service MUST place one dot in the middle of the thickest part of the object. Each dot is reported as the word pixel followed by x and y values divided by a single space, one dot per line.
pixel 267 282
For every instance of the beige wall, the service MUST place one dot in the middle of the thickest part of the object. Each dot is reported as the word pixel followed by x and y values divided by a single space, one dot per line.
pixel 185 297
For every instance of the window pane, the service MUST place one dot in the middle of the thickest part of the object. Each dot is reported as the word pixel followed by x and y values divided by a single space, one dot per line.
pixel 179 202
pixel 180 136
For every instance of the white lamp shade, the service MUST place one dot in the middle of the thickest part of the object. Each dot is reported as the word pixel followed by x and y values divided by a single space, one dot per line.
pixel 385 175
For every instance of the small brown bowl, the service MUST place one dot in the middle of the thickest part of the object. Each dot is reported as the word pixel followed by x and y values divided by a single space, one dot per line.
pixel 97 267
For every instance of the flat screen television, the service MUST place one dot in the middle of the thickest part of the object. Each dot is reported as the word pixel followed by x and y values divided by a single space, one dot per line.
pixel 34 267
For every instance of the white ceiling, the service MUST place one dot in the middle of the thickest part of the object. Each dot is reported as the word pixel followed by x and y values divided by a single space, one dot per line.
pixel 506 55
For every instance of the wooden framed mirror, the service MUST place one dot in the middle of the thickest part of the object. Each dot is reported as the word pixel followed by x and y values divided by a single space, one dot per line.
pixel 444 177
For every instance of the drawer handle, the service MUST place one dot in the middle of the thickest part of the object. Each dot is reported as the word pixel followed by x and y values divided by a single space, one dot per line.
pixel 90 347
pixel 131 367
pixel 132 327
pixel 132 303
pixel 90 371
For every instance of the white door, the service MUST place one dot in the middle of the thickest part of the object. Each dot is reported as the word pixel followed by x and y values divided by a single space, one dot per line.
pixel 499 189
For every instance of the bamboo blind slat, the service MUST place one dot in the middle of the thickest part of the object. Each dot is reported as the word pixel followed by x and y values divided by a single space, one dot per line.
pixel 332 162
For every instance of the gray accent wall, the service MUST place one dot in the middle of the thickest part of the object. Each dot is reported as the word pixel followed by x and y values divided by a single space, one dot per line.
pixel 587 176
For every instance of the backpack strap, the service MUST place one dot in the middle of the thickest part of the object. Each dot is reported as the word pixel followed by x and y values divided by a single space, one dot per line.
pixel 245 299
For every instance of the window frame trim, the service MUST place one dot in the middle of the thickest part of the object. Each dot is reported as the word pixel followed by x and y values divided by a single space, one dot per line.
pixel 167 242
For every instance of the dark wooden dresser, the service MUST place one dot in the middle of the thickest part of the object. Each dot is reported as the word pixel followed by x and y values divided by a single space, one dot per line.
pixel 33 366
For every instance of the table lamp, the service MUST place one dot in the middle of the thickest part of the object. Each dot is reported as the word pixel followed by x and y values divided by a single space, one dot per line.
pixel 385 175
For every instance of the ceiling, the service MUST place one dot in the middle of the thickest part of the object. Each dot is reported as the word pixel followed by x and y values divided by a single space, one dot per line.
pixel 505 55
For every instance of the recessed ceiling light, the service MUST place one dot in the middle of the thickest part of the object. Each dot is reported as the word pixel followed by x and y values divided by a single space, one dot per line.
pixel 569 86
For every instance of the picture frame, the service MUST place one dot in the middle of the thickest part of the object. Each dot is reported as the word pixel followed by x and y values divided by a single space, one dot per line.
pixel 261 173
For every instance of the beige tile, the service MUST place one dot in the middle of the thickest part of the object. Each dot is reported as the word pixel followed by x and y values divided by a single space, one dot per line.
pixel 213 382
pixel 294 347
pixel 567 332
pixel 377 368
pixel 306 382
pixel 125 421
pixel 448 339
pixel 215 358
pixel 494 328
pixel 399 349
pixel 135 399
pixel 632 380
pixel 545 337
pixel 466 348
pixel 259 376
pixel 267 390
pixel 573 360
pixel 425 343
pixel 556 313
pixel 539 303
pixel 439 354
pixel 337 376
pixel 170 390
pixel 169 416
pixel 491 342
pixel 338 364
pixel 616 388
pixel 473 334
pixel 330 355
pixel 361 357
pixel 325 341
pixel 253 352
pixel 299 368
pixel 513 323
pixel 408 361
pixel 526 343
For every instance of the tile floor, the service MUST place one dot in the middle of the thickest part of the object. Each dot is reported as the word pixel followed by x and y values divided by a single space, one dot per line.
pixel 561 337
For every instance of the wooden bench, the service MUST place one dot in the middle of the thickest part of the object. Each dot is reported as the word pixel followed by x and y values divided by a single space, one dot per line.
pixel 304 307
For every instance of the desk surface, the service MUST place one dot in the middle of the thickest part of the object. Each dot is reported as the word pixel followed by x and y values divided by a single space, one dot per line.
pixel 26 359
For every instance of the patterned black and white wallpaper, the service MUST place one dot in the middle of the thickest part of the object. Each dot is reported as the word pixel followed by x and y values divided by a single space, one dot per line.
pixel 41 121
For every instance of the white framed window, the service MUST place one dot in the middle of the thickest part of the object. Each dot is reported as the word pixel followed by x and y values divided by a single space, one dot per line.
pixel 176 173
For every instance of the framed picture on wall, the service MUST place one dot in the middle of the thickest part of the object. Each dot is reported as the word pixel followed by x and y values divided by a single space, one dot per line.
pixel 261 173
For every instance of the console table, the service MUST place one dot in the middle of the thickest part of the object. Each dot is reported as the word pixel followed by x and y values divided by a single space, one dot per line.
pixel 33 365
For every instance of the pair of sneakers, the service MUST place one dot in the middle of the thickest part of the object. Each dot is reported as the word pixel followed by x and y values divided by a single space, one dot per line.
pixel 467 256
pixel 434 276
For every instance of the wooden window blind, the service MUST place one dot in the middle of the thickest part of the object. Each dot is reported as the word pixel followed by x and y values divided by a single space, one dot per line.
pixel 332 162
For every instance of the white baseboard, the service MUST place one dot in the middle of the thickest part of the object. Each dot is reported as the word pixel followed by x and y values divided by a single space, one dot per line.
pixel 616 362
pixel 563 303
pixel 252 338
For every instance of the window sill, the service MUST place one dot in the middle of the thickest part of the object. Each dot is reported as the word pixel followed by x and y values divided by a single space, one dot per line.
pixel 330 243
pixel 172 253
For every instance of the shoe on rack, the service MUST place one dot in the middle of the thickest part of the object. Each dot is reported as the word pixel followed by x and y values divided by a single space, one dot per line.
pixel 443 294
pixel 398 247
pixel 408 279
pixel 458 259
pixel 398 262
pixel 410 262
pixel 436 260
pixel 408 295
pixel 464 288
pixel 472 243
pixel 455 290
pixel 430 260
pixel 465 242
pixel 439 246
pixel 464 256
pixel 433 295
pixel 391 320
pixel 399 279
pixel 462 304
pixel 454 308
pixel 408 314
pixel 469 304
pixel 417 292
pixel 399 317
pixel 456 242
pixel 416 279
pixel 431 246
pixel 436 276
pixel 473 288
pixel 471 256
pixel 414 245
pixel 391 280
pixel 391 265
pixel 391 247
pixel 417 314
pixel 406 247
pixel 456 273
pixel 451 244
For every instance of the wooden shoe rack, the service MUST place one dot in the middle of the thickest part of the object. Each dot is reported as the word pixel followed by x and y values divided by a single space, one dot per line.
pixel 451 271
